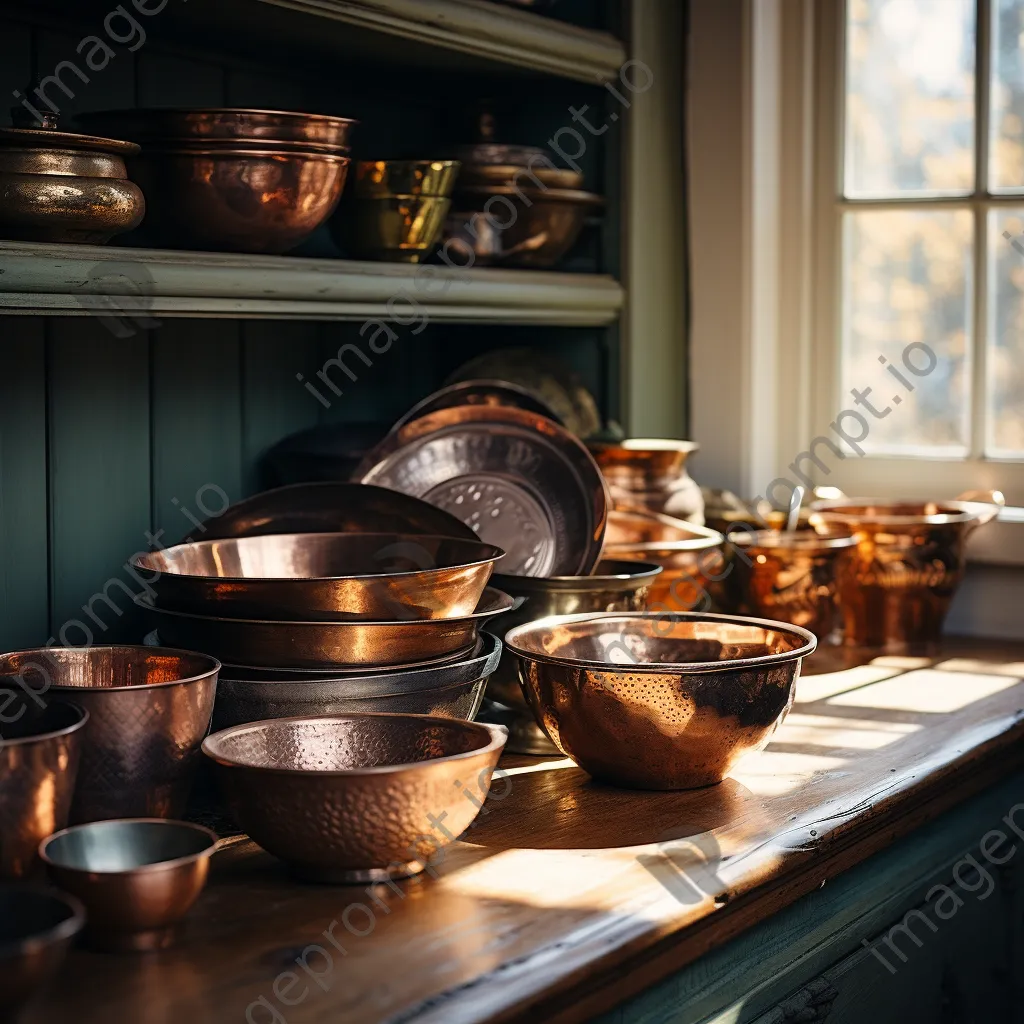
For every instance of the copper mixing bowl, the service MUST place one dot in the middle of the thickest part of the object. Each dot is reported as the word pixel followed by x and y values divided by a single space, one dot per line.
pixel 149 709
pixel 137 877
pixel 37 927
pixel 352 798
pixel 329 576
pixel 39 755
pixel 241 199
pixel 909 561
pixel 659 701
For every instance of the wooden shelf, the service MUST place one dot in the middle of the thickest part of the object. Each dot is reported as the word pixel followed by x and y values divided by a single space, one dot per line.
pixel 86 280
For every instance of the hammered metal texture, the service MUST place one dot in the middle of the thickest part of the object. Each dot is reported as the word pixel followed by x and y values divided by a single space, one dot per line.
pixel 323 576
pixel 39 757
pixel 149 709
pixel 909 561
pixel 659 701
pixel 343 797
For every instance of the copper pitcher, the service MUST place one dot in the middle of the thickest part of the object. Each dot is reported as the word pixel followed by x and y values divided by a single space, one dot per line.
pixel 909 560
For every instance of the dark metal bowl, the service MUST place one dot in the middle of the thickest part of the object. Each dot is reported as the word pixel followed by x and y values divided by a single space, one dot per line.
pixel 659 701
pixel 36 928
pixel 39 756
pixel 149 709
pixel 351 798
pixel 453 690
pixel 328 576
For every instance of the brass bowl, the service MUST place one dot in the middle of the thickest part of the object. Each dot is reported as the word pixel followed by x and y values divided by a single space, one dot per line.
pixel 149 709
pixel 37 927
pixel 659 701
pixel 451 690
pixel 226 124
pixel 355 798
pixel 236 200
pixel 692 557
pixel 137 877
pixel 650 473
pixel 615 586
pixel 322 576
pixel 909 561
pixel 274 643
pixel 61 187
pixel 39 755
pixel 790 576
pixel 388 179
pixel 516 227
pixel 399 229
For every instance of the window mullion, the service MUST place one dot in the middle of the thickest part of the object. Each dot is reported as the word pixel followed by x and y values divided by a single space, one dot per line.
pixel 980 290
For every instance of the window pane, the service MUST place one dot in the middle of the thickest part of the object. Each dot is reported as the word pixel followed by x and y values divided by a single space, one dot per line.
pixel 910 97
pixel 1005 357
pixel 907 301
pixel 1006 145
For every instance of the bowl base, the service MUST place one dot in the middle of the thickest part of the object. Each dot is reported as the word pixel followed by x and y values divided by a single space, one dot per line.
pixel 132 942
pixel 320 875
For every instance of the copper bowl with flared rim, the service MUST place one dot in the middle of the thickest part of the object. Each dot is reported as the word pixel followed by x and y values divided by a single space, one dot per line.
pixel 790 576
pixel 650 473
pixel 137 877
pixel 329 576
pixel 659 700
pixel 387 179
pixel 615 585
pixel 39 757
pixel 910 558
pixel 352 798
pixel 37 927
pixel 149 709
pixel 275 643
pixel 199 124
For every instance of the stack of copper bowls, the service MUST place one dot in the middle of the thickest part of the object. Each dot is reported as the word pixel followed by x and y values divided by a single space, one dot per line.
pixel 237 180
pixel 310 620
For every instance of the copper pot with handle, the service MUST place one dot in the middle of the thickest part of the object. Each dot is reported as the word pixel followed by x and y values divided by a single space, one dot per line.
pixel 910 557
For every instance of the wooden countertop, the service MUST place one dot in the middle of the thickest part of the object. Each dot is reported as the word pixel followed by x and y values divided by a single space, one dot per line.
pixel 560 902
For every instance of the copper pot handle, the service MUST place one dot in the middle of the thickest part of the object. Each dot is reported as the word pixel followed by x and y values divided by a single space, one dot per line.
pixel 995 500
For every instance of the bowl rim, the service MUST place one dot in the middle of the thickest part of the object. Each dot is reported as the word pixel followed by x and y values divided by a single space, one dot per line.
pixel 60 932
pixel 67 688
pixel 641 445
pixel 810 642
pixel 645 572
pixel 263 111
pixel 949 511
pixel 40 737
pixel 159 865
pixel 795 540
pixel 497 735
pixel 139 561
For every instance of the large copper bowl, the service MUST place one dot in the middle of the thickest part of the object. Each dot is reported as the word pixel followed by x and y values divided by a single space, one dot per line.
pixel 909 561
pixel 691 557
pixel 651 473
pixel 659 701
pixel 329 576
pixel 790 576
pixel 356 798
pixel 149 709
pixel 37 927
pixel 39 755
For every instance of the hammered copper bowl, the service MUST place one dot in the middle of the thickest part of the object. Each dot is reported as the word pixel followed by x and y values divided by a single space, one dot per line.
pixel 149 709
pixel 329 576
pixel 908 563
pixel 37 926
pixel 790 576
pixel 137 877
pixel 39 755
pixel 243 199
pixel 355 798
pixel 659 701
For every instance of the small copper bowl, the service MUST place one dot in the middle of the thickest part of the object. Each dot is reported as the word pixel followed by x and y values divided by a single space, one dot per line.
pixel 388 179
pixel 39 755
pixel 149 709
pixel 791 577
pixel 37 927
pixel 355 798
pixel 659 701
pixel 137 877
pixel 909 561
pixel 650 473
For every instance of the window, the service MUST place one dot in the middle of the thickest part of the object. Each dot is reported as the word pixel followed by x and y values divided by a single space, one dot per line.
pixel 922 290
